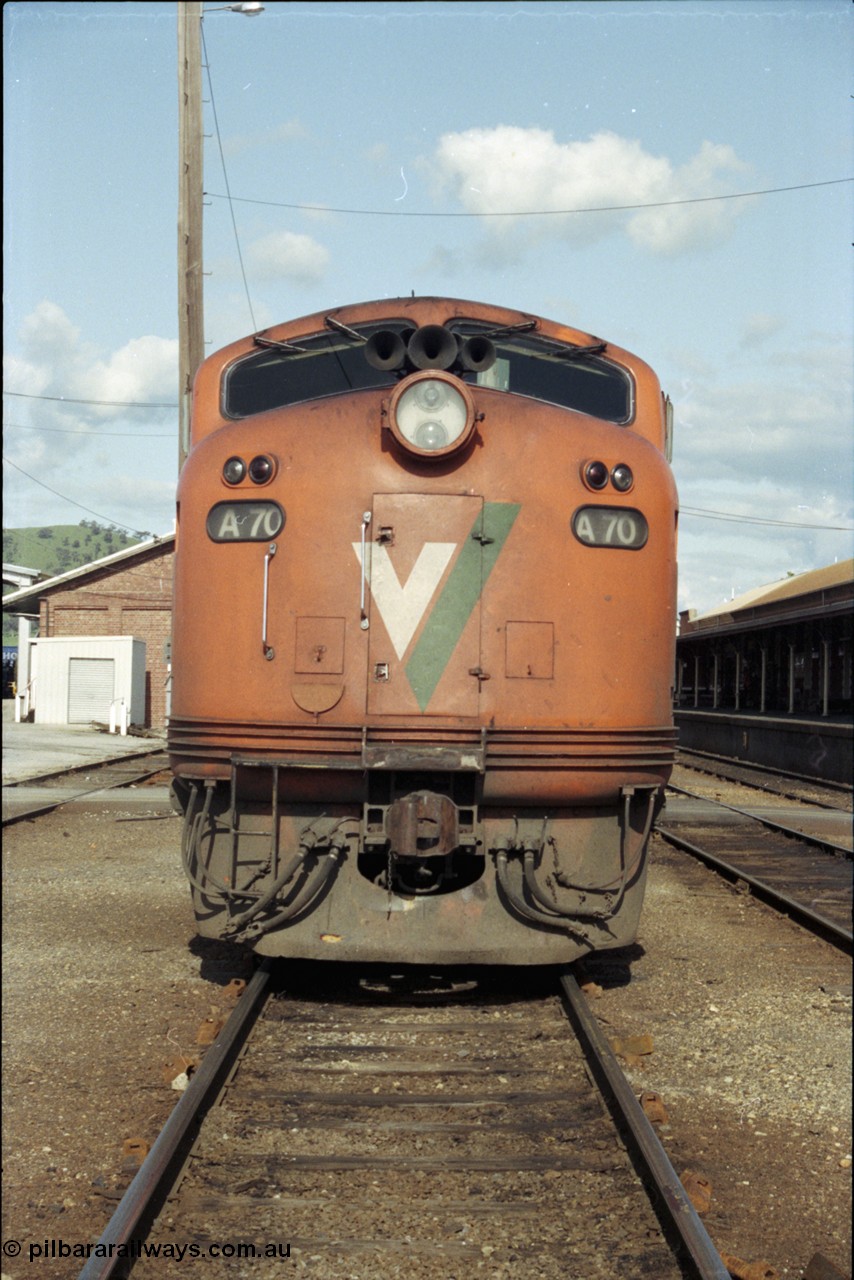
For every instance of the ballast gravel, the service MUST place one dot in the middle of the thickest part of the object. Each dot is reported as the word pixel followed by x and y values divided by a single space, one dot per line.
pixel 105 987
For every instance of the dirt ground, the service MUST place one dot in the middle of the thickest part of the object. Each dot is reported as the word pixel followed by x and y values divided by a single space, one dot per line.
pixel 105 983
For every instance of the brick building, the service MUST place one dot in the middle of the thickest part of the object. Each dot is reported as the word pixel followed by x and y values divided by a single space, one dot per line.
pixel 126 594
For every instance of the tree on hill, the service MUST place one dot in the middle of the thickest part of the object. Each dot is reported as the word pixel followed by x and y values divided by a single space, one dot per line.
pixel 81 543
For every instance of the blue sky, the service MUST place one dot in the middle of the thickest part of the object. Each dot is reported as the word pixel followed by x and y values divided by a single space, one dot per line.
pixel 743 306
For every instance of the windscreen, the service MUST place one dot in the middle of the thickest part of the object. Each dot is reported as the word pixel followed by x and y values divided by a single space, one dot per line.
pixel 333 363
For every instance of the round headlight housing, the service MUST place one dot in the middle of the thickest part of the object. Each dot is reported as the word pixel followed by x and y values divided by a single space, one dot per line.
pixel 432 414
pixel 234 471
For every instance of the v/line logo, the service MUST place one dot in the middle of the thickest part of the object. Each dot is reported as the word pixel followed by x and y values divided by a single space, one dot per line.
pixel 402 606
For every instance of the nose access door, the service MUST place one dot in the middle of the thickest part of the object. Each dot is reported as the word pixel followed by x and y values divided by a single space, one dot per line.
pixel 425 576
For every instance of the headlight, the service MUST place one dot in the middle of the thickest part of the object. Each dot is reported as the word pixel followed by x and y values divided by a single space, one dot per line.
pixel 432 414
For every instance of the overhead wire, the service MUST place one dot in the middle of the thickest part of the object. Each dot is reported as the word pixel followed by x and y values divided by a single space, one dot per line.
pixel 225 179
pixel 685 511
pixel 110 404
pixel 527 213
pixel 739 519
pixel 400 213
pixel 92 435
pixel 117 523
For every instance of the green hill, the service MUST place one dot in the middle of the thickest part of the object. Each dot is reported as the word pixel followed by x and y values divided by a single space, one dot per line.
pixel 56 548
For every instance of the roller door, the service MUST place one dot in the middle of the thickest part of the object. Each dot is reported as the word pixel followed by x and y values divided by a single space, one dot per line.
pixel 91 685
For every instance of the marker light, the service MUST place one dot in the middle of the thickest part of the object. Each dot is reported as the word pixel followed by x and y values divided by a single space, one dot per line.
pixel 234 471
pixel 595 475
pixel 622 478
pixel 261 469
pixel 432 414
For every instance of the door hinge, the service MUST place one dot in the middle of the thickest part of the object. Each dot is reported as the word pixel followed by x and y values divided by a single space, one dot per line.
pixel 479 673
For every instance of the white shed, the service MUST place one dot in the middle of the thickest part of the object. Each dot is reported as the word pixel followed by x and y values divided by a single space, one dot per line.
pixel 77 679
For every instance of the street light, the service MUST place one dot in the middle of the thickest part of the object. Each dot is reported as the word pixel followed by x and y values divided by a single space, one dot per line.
pixel 191 328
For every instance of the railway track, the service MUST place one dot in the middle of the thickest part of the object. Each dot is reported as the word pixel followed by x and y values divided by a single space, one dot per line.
pixel 69 785
pixel 773 782
pixel 392 1131
pixel 806 876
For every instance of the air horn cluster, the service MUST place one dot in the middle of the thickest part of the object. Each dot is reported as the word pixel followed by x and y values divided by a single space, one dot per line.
pixel 430 347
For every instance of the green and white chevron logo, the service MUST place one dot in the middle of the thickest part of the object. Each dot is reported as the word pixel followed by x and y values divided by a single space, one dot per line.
pixel 402 606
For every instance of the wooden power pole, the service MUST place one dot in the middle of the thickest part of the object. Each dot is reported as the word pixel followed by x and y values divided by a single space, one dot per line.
pixel 191 320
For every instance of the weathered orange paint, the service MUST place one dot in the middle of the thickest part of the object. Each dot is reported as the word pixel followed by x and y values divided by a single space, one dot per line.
pixel 561 673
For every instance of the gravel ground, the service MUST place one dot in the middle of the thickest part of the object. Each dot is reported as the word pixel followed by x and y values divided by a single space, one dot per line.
pixel 751 1027
pixel 104 984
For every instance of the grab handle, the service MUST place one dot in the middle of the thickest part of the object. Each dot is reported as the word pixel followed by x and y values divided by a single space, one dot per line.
pixel 366 520
pixel 269 652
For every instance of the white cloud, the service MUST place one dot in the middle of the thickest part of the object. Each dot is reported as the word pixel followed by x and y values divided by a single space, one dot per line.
pixel 676 228
pixel 317 213
pixel 288 131
pixel 788 421
pixel 115 462
pixel 289 256
pixel 379 155
pixel 145 370
pixel 55 362
pixel 774 445
pixel 758 328
pixel 509 169
pixel 48 327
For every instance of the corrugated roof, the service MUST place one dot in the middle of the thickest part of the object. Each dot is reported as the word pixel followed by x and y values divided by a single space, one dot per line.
pixel 800 584
pixel 39 589
pixel 803 584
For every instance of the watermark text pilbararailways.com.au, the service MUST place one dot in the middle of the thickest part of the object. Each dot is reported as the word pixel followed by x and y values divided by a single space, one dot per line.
pixel 39 1250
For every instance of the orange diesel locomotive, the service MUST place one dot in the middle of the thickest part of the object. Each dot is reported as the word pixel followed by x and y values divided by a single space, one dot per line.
pixel 423 637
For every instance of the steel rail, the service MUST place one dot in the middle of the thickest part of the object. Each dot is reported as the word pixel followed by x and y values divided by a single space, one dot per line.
pixel 684 754
pixel 91 766
pixel 152 1183
pixel 39 810
pixel 819 841
pixel 675 1205
pixel 803 914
